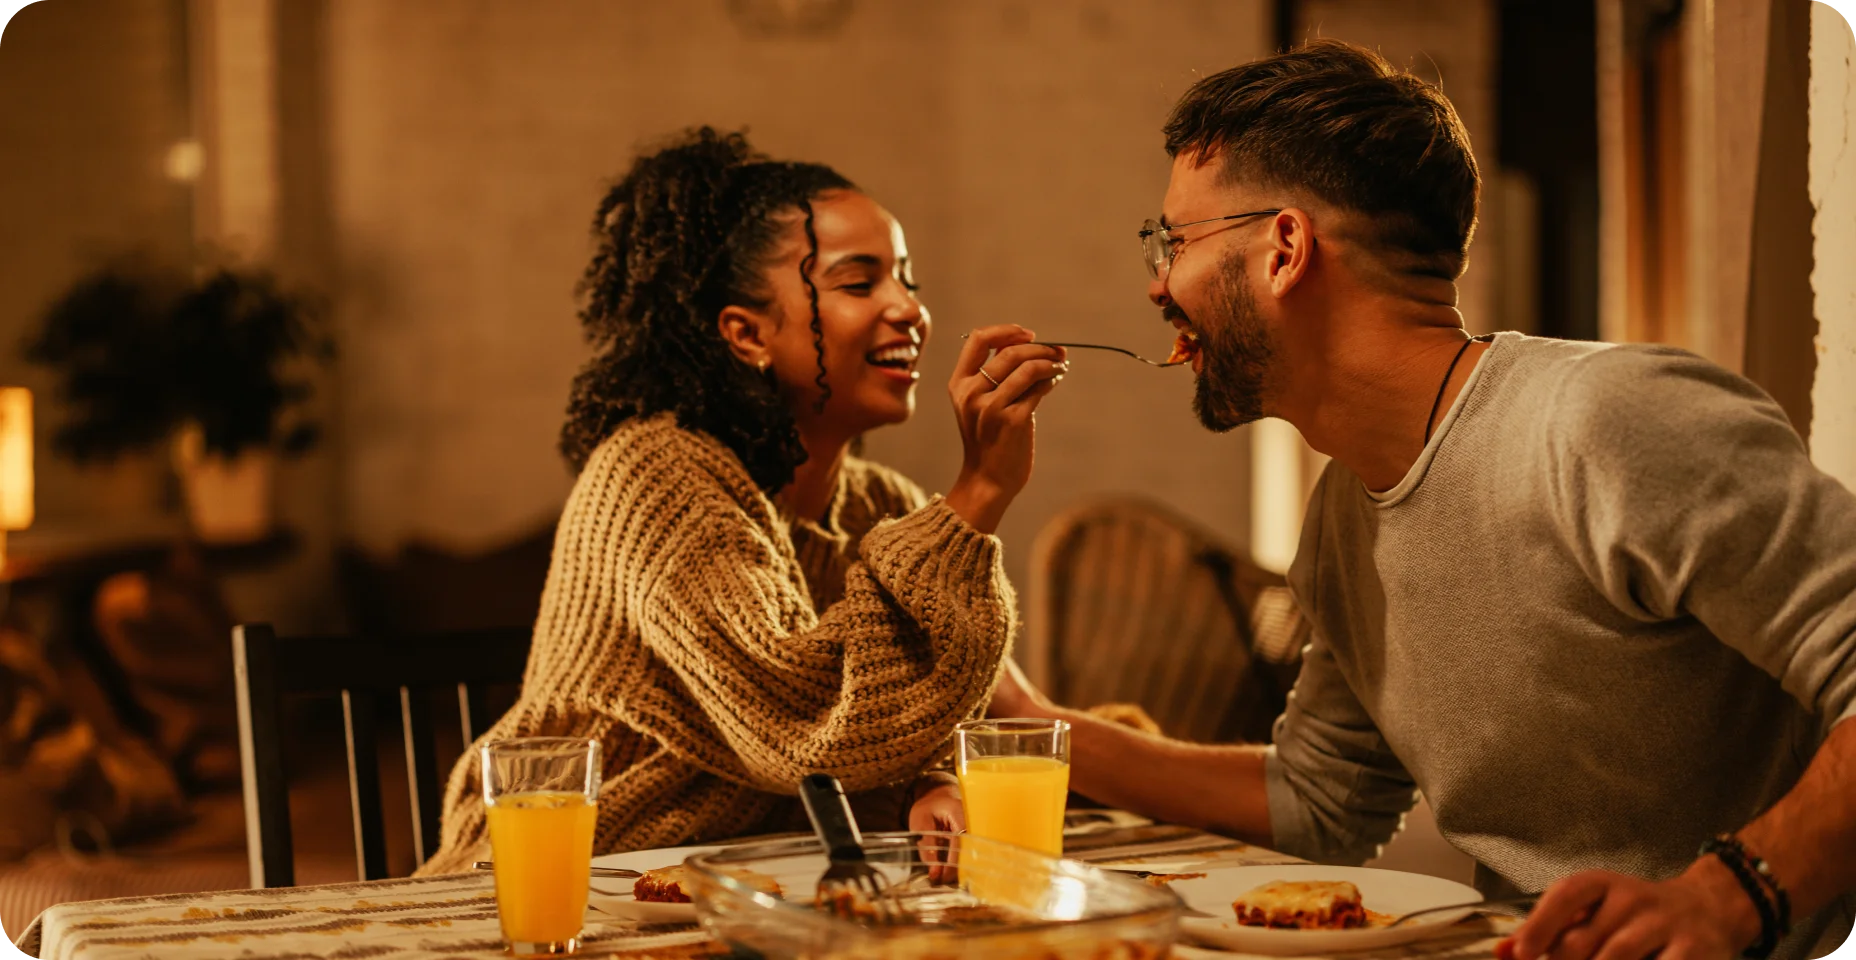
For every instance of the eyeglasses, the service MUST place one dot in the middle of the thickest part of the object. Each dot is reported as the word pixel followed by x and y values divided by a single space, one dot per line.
pixel 1159 246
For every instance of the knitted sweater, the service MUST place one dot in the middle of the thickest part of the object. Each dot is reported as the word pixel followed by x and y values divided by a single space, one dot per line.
pixel 720 650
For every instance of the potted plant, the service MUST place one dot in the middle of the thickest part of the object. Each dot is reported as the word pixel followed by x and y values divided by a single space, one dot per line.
pixel 214 366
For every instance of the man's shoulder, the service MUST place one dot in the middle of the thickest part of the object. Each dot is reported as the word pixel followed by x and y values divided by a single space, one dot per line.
pixel 1585 388
pixel 1592 364
pixel 1652 418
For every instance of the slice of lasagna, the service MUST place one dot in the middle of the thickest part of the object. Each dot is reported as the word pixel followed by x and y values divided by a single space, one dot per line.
pixel 666 885
pixel 1304 905
pixel 673 884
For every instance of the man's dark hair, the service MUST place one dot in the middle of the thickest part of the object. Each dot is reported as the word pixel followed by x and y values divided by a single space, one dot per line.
pixel 1337 120
pixel 690 230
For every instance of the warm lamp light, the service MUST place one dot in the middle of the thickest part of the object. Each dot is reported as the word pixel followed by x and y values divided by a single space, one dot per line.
pixel 15 461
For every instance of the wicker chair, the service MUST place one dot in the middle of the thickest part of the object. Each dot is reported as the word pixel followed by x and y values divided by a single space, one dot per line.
pixel 1129 602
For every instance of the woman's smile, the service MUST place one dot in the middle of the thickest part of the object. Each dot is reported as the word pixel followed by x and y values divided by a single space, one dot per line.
pixel 896 359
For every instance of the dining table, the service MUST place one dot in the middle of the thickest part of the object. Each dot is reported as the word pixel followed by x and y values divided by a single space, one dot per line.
pixel 454 917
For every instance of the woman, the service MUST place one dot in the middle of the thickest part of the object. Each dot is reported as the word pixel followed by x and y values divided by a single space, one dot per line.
pixel 735 600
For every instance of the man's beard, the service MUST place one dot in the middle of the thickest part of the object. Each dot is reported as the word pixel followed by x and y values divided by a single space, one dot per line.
pixel 1234 351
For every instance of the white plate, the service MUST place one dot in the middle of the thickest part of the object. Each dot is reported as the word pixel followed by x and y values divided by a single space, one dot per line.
pixel 614 896
pixel 1383 891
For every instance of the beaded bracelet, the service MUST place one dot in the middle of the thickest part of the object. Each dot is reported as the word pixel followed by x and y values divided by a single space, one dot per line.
pixel 1756 879
pixel 1763 871
pixel 1768 921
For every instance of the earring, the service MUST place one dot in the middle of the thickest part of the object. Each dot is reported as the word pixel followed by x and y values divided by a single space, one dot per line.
pixel 764 364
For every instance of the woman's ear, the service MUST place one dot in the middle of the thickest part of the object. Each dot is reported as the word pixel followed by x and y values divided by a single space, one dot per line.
pixel 749 335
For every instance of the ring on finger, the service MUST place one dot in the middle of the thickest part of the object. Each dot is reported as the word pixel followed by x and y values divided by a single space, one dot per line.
pixel 988 377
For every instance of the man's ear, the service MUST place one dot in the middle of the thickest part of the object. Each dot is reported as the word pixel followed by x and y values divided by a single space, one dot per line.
pixel 1291 248
pixel 749 335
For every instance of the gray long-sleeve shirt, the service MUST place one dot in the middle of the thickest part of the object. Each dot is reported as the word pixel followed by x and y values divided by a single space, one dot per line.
pixel 1609 613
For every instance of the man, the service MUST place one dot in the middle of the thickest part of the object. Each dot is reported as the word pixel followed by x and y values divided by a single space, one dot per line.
pixel 1594 601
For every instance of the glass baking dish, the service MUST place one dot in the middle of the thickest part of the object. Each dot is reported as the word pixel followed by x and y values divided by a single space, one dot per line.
pixel 1006 902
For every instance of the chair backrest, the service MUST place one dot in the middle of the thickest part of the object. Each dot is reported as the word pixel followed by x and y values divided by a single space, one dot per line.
pixel 365 672
pixel 1129 602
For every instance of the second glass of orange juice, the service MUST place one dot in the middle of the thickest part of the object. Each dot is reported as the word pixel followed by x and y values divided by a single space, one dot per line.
pixel 1015 778
pixel 540 797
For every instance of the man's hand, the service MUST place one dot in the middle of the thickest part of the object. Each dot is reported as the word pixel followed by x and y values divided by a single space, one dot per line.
pixel 1701 915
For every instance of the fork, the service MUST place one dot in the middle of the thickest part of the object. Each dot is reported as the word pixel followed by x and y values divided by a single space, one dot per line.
pixel 1102 346
pixel 850 879
pixel 1526 901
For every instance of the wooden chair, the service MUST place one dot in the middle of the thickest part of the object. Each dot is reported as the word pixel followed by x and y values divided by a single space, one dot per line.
pixel 1129 602
pixel 365 672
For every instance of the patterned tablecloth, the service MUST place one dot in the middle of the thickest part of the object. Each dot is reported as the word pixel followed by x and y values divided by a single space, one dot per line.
pixel 454 918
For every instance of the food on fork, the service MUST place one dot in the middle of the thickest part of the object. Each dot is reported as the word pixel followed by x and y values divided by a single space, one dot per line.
pixel 1302 905
pixel 672 884
pixel 1185 347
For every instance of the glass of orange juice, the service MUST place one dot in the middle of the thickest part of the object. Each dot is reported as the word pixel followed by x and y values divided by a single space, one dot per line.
pixel 1014 779
pixel 539 794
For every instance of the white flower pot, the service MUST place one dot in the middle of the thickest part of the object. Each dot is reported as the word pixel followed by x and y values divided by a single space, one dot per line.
pixel 228 500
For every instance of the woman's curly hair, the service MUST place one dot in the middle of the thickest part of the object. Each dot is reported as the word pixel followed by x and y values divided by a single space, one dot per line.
pixel 688 231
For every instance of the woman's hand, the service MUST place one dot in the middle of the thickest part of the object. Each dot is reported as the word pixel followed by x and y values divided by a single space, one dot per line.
pixel 938 809
pixel 998 382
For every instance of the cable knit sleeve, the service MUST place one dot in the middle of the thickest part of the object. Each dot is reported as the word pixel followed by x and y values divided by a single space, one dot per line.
pixel 762 690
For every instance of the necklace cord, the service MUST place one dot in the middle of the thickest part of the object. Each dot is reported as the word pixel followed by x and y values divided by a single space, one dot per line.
pixel 1443 387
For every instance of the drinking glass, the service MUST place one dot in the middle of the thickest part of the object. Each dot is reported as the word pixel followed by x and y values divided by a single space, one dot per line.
pixel 1015 778
pixel 539 794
